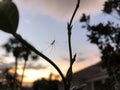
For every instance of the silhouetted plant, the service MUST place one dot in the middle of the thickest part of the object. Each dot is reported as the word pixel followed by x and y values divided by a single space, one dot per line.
pixel 19 51
pixel 44 84
pixel 107 38
pixel 9 22
pixel 111 5
pixel 10 81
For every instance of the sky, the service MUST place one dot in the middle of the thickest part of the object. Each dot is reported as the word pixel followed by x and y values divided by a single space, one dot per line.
pixel 43 21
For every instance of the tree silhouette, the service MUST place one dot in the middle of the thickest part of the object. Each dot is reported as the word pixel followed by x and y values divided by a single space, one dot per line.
pixel 10 81
pixel 19 51
pixel 44 84
pixel 107 38
pixel 111 5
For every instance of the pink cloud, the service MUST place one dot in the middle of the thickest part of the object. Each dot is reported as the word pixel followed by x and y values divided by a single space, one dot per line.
pixel 60 9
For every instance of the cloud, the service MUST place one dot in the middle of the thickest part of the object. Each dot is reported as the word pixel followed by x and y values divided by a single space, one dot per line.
pixel 4 65
pixel 78 58
pixel 84 56
pixel 35 66
pixel 30 65
pixel 59 9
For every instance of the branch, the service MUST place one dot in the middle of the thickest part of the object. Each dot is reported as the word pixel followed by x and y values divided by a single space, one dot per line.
pixel 77 6
pixel 69 28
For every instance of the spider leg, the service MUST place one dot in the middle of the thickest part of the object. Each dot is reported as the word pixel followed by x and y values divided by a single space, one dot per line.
pixel 51 49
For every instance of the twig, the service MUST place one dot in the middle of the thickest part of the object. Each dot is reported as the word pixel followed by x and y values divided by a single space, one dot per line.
pixel 69 28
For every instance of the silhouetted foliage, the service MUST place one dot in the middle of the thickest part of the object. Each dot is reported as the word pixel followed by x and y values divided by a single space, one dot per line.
pixel 9 80
pixel 44 84
pixel 19 51
pixel 111 5
pixel 107 38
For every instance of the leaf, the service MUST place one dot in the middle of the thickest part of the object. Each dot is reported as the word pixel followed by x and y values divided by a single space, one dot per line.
pixel 9 16
pixel 108 7
pixel 83 18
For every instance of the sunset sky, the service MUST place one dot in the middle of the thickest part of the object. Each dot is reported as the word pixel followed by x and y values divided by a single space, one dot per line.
pixel 41 22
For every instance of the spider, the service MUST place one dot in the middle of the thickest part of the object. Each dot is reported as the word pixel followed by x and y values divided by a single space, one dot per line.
pixel 51 46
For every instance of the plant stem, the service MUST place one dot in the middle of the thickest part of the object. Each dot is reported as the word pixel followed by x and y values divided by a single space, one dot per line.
pixel 15 74
pixel 77 6
pixel 23 72
pixel 70 31
pixel 69 28
pixel 16 64
pixel 17 36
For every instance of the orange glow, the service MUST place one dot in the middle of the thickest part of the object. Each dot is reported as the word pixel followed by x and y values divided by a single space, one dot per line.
pixel 31 75
pixel 12 71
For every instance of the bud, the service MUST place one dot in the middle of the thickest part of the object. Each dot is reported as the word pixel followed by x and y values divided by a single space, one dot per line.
pixel 9 16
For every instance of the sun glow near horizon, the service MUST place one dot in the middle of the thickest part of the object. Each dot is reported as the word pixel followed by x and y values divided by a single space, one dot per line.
pixel 31 74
